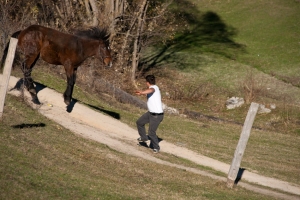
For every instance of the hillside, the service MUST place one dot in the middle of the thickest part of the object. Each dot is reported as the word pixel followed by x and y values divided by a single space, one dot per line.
pixel 257 58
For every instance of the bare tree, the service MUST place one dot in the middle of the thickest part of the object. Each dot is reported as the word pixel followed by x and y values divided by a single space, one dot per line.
pixel 136 47
pixel 133 25
pixel 95 11
pixel 115 10
pixel 144 21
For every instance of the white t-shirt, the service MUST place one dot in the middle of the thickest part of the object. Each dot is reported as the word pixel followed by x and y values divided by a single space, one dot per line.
pixel 154 100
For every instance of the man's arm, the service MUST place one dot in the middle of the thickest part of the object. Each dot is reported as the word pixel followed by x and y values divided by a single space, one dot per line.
pixel 147 91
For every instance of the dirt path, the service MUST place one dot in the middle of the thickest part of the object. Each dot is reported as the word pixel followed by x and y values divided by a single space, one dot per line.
pixel 119 136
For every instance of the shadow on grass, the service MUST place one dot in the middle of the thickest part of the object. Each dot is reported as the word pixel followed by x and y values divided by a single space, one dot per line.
pixel 21 126
pixel 208 33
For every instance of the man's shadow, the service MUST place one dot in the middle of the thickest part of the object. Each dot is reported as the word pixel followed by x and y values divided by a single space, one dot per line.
pixel 144 144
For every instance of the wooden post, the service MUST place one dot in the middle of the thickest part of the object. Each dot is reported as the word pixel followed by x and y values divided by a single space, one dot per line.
pixel 239 152
pixel 6 72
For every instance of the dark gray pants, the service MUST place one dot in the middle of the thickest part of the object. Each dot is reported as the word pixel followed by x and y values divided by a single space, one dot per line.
pixel 154 121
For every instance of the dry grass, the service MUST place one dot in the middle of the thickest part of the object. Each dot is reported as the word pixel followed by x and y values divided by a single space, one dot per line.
pixel 42 160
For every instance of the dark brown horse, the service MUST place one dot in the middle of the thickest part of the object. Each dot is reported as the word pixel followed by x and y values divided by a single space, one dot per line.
pixel 60 48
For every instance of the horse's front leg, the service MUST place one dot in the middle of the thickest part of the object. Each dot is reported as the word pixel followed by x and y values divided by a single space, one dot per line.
pixel 71 78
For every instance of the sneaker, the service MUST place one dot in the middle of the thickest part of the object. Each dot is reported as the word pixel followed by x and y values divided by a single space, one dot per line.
pixel 140 140
pixel 155 150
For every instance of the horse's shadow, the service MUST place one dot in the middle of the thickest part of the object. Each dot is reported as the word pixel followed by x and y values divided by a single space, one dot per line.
pixel 71 105
pixel 110 113
pixel 39 87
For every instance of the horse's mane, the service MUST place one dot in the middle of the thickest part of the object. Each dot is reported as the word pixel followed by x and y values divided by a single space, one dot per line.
pixel 95 33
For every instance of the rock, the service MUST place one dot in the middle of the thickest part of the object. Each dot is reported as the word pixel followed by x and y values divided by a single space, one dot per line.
pixel 234 102
pixel 170 110
pixel 262 109
pixel 272 106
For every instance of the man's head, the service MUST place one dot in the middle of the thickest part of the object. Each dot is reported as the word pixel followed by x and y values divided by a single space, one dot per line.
pixel 150 79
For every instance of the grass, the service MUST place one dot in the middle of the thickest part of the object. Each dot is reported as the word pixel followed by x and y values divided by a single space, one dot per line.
pixel 264 151
pixel 270 34
pixel 48 162
pixel 42 160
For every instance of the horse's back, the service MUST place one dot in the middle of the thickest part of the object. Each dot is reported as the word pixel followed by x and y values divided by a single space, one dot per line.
pixel 56 47
pixel 38 32
pixel 47 42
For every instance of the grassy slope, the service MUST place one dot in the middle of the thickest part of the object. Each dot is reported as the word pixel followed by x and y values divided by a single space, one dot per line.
pixel 269 29
pixel 42 160
pixel 42 169
pixel 217 140
pixel 270 32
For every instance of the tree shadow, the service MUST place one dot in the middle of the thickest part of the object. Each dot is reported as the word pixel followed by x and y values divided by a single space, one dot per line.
pixel 208 33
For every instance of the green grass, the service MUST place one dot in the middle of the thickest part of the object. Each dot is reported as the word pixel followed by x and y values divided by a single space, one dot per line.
pixel 217 140
pixel 269 29
pixel 42 160
pixel 49 162
pixel 268 58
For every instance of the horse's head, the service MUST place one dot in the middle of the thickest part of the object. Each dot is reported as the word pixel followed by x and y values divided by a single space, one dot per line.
pixel 105 54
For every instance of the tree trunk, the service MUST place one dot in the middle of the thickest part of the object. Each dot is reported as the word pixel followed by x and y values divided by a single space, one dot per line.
pixel 114 12
pixel 87 8
pixel 95 11
pixel 69 9
pixel 136 48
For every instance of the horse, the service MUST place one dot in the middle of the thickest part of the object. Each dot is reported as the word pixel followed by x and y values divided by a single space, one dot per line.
pixel 59 48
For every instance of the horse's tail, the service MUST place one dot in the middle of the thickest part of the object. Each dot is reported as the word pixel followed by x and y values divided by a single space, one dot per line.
pixel 14 35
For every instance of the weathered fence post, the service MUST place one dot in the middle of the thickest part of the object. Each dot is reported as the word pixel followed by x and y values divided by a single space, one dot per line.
pixel 239 151
pixel 6 72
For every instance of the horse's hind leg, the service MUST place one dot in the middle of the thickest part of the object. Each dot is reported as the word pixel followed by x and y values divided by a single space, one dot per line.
pixel 28 81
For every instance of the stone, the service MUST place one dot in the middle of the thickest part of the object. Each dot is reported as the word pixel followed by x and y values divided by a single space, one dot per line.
pixel 234 102
pixel 263 110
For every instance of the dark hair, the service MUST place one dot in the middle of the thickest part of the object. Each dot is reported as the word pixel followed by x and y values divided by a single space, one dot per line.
pixel 150 79
pixel 95 33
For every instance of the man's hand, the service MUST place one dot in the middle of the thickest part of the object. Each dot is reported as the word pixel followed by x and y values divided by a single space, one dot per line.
pixel 138 92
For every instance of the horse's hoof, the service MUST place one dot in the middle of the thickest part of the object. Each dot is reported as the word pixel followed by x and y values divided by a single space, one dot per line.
pixel 32 91
pixel 36 101
pixel 67 102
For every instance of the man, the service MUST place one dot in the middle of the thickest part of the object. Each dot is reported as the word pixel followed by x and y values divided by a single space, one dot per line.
pixel 154 116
